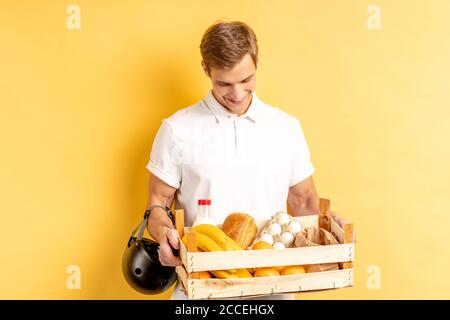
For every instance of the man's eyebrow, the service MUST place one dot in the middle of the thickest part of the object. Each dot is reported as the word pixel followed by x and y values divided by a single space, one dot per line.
pixel 239 81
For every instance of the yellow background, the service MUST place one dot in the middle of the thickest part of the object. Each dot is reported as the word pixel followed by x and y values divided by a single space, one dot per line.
pixel 80 108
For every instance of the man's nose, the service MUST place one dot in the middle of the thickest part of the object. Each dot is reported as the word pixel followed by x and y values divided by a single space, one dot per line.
pixel 238 93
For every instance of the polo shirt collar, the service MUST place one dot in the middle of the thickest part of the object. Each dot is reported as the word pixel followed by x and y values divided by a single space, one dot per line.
pixel 222 114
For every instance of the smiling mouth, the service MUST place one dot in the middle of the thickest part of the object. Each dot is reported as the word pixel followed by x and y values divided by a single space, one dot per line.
pixel 234 102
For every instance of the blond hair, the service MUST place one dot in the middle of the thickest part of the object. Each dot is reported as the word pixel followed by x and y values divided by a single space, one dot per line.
pixel 224 44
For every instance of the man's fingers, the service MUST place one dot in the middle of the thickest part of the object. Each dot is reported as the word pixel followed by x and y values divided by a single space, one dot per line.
pixel 166 256
pixel 168 243
pixel 341 222
pixel 171 262
pixel 172 235
pixel 338 219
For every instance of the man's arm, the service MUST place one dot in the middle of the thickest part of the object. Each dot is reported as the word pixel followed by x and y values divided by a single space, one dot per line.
pixel 303 198
pixel 159 224
pixel 159 193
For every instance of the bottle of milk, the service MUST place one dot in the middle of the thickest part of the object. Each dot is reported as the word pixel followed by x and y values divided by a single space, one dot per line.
pixel 204 214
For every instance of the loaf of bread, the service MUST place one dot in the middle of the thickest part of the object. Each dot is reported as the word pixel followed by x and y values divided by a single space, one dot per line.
pixel 241 227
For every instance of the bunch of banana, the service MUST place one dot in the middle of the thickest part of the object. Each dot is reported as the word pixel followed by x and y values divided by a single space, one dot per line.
pixel 212 238
pixel 204 242
pixel 227 274
pixel 216 234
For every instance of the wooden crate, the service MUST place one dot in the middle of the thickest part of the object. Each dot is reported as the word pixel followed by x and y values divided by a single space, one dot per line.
pixel 194 262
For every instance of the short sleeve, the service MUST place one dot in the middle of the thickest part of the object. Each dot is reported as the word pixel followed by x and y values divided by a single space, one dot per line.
pixel 302 166
pixel 164 157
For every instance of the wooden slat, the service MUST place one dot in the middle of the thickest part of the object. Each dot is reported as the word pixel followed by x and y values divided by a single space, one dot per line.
pixel 192 247
pixel 348 238
pixel 224 288
pixel 324 214
pixel 191 242
pixel 183 253
pixel 179 222
pixel 222 260
pixel 182 276
pixel 348 233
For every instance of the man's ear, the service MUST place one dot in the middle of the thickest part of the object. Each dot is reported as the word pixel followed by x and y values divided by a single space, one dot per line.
pixel 205 69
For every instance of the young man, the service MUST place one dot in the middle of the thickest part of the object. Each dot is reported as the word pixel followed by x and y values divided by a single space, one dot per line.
pixel 230 147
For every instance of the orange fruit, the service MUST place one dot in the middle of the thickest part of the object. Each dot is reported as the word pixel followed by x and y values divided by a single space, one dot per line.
pixel 260 245
pixel 293 270
pixel 266 272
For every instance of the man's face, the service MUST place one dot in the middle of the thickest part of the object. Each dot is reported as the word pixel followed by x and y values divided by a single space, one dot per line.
pixel 233 87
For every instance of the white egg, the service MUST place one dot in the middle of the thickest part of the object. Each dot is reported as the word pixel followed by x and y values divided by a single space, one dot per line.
pixel 274 229
pixel 283 218
pixel 267 238
pixel 294 227
pixel 279 245
pixel 287 238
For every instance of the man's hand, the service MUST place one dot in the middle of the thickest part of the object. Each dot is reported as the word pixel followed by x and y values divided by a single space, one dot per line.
pixel 338 219
pixel 167 244
pixel 341 221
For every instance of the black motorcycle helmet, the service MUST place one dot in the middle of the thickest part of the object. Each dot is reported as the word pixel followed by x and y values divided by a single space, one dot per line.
pixel 140 262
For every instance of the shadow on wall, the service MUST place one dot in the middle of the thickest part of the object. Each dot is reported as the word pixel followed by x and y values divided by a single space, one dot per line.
pixel 160 88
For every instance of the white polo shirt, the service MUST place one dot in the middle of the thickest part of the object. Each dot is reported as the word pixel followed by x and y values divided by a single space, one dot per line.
pixel 242 163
